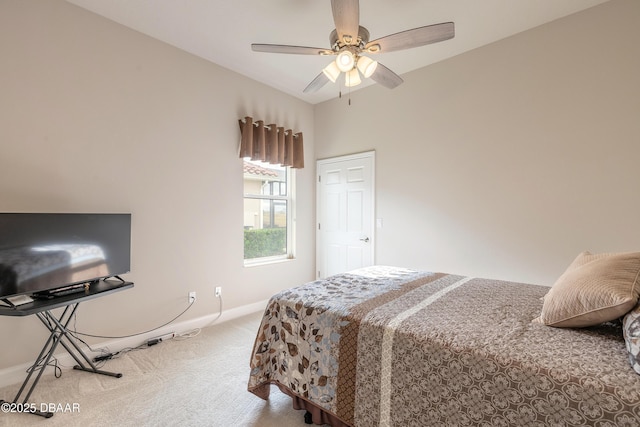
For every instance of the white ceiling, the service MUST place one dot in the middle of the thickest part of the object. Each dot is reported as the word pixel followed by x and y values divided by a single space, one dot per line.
pixel 222 31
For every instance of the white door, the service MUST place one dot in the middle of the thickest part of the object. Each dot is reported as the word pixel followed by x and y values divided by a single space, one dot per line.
pixel 345 213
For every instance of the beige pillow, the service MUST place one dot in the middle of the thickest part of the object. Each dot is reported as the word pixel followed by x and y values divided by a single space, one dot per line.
pixel 594 289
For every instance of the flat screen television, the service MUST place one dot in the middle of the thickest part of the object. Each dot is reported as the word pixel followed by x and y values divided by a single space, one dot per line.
pixel 44 252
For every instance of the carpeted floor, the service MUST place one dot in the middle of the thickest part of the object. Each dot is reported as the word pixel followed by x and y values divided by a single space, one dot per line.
pixel 200 381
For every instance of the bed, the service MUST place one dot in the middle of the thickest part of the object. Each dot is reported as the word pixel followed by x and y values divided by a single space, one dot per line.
pixel 397 347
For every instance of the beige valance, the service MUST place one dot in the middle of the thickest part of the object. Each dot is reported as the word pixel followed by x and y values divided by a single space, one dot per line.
pixel 271 143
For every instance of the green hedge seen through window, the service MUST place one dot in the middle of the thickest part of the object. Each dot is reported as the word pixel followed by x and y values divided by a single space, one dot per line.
pixel 265 242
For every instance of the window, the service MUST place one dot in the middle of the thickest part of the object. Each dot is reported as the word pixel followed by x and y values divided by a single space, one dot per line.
pixel 267 212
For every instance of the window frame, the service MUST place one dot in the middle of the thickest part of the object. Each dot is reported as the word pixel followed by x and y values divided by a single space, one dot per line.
pixel 290 215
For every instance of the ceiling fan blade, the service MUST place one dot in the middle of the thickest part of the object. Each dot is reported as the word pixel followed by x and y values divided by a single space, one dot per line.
pixel 297 50
pixel 412 38
pixel 386 77
pixel 317 83
pixel 346 16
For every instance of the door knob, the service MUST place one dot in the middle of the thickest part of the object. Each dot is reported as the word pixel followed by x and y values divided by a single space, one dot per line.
pixel 364 239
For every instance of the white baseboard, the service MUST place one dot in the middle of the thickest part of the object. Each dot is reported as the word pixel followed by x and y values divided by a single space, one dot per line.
pixel 16 374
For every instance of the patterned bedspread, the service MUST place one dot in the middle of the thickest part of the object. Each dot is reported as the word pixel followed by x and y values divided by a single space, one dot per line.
pixel 395 347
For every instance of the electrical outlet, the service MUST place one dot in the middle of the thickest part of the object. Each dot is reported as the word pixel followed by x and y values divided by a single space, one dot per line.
pixel 218 291
pixel 192 297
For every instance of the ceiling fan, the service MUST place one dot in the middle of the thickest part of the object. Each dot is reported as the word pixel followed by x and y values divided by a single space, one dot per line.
pixel 349 43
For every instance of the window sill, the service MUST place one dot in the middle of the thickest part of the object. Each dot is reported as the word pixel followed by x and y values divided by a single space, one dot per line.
pixel 267 261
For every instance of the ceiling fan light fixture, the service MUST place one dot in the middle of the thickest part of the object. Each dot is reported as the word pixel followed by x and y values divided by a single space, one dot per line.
pixel 352 78
pixel 345 61
pixel 331 71
pixel 367 66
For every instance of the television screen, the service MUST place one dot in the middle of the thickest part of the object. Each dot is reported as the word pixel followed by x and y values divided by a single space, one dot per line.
pixel 45 251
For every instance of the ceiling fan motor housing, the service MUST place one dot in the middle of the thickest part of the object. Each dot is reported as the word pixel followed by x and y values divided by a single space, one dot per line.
pixel 362 40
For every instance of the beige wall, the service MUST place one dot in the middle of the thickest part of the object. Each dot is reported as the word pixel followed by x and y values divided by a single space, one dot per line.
pixel 508 160
pixel 95 117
